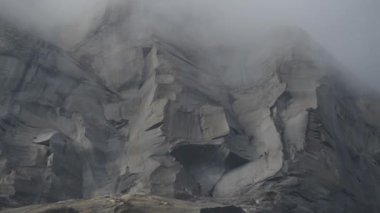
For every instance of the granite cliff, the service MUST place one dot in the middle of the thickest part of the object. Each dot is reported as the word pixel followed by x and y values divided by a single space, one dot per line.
pixel 122 123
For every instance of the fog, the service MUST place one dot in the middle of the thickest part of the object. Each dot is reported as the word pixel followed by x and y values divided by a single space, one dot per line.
pixel 51 18
pixel 348 29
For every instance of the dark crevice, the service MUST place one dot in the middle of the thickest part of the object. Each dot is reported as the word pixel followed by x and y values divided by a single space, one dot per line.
pixel 280 105
pixel 43 143
pixel 228 209
pixel 126 182
pixel 304 197
pixel 328 144
pixel 28 65
pixel 234 131
pixel 313 133
pixel 219 137
pixel 234 161
pixel 155 126
pixel 119 124
pixel 180 56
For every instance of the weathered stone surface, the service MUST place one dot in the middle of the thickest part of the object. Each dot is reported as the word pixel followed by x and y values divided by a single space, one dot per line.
pixel 145 117
pixel 213 122
pixel 47 120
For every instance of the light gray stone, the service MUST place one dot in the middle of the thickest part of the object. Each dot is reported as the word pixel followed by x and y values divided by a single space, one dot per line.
pixel 122 118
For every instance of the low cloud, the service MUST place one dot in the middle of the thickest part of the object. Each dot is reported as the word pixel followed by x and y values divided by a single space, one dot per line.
pixel 346 28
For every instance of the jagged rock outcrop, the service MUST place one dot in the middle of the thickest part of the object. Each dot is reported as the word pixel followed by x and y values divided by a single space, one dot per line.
pixel 122 115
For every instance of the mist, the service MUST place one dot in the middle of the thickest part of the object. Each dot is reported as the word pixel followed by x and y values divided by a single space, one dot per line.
pixel 348 29
pixel 64 22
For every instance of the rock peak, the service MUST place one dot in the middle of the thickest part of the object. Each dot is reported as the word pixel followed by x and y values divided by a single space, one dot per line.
pixel 124 123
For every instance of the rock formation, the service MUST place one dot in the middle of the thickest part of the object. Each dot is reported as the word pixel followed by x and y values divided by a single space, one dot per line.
pixel 156 130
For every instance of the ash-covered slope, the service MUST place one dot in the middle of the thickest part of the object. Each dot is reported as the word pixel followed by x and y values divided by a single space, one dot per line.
pixel 124 114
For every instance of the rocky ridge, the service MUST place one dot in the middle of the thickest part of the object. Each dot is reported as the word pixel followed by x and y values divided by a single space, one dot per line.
pixel 145 123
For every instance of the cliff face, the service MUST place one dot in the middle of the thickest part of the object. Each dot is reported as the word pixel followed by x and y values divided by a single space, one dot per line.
pixel 126 115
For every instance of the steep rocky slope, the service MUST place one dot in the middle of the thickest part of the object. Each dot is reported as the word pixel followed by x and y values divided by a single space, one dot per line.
pixel 144 121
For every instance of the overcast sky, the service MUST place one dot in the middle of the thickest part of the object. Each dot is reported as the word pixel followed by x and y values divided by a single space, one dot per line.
pixel 349 29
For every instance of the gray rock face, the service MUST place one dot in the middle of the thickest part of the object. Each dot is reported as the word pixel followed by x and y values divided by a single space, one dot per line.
pixel 143 118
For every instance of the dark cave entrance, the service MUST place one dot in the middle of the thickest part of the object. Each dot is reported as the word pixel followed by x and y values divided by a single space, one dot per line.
pixel 206 164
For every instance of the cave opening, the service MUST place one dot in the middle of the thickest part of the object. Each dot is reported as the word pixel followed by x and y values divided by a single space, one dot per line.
pixel 205 163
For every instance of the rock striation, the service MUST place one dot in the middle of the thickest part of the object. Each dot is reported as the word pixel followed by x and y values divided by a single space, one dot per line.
pixel 141 121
